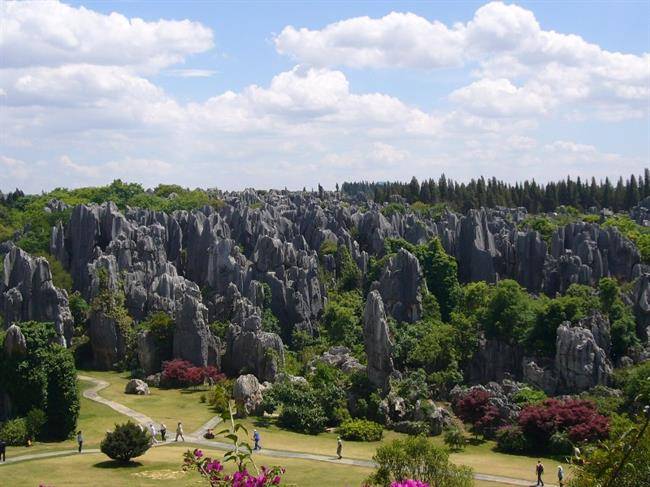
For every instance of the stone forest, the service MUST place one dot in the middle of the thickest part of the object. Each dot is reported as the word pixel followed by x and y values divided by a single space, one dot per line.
pixel 394 334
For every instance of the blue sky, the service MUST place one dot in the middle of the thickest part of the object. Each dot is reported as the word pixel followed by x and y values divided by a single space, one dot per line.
pixel 533 89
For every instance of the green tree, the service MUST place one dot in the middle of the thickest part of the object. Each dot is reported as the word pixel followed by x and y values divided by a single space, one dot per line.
pixel 419 459
pixel 125 442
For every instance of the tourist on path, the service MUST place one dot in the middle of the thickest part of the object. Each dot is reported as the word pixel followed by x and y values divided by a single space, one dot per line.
pixel 539 469
pixel 256 439
pixel 163 431
pixel 179 431
pixel 339 447
pixel 152 430
pixel 3 451
pixel 80 440
pixel 560 475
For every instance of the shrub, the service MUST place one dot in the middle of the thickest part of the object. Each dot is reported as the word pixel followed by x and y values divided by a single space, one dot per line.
pixel 14 432
pixel 219 398
pixel 181 373
pixel 414 428
pixel 511 439
pixel 475 408
pixel 454 438
pixel 528 395
pixel 579 419
pixel 418 458
pixel 310 419
pixel 361 430
pixel 127 441
pixel 560 444
pixel 35 420
pixel 328 248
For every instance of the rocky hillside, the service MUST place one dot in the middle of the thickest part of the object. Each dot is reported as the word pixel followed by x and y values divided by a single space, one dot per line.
pixel 278 255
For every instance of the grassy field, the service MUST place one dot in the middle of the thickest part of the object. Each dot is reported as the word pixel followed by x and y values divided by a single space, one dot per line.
pixel 161 466
pixel 172 405
pixel 163 405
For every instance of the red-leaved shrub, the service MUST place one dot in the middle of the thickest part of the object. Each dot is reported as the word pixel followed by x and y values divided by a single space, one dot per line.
pixel 475 408
pixel 181 373
pixel 578 418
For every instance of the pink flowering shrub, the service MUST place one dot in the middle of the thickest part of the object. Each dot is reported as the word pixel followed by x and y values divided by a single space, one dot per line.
pixel 212 471
pixel 409 483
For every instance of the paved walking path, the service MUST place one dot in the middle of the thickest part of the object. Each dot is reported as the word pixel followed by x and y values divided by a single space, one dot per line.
pixel 196 438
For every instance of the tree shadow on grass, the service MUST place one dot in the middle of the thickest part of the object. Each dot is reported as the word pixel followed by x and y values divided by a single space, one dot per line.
pixel 263 422
pixel 117 464
pixel 474 441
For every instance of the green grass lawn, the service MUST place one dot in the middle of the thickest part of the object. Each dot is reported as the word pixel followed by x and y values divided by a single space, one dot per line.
pixel 163 466
pixel 163 405
pixel 94 420
pixel 171 405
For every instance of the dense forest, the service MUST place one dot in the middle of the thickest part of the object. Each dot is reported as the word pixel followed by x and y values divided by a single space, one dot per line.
pixel 533 196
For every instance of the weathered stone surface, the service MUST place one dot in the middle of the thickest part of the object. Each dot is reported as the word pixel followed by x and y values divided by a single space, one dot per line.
pixel 476 248
pixel 137 386
pixel 192 338
pixel 247 393
pixel 400 285
pixel 340 357
pixel 248 349
pixel 580 363
pixel 14 342
pixel 148 353
pixel 106 340
pixel 493 361
pixel 377 341
pixel 28 294
pixel 641 304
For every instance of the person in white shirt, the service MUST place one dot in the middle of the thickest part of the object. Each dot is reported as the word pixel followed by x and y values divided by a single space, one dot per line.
pixel 152 430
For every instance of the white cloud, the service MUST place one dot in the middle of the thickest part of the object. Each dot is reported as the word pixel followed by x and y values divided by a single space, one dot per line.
pixel 192 73
pixel 505 43
pixel 75 113
pixel 50 33
pixel 396 40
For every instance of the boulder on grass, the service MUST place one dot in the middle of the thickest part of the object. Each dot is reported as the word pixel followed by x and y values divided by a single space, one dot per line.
pixel 137 386
pixel 247 393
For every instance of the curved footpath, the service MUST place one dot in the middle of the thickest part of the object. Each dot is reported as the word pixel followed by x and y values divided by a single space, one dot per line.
pixel 195 437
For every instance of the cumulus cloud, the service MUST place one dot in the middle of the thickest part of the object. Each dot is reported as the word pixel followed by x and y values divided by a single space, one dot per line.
pixel 504 43
pixel 80 104
pixel 50 33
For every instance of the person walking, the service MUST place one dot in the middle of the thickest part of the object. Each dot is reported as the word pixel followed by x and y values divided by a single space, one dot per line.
pixel 179 431
pixel 256 439
pixel 80 440
pixel 560 475
pixel 539 469
pixel 339 447
pixel 163 431
pixel 152 430
pixel 3 450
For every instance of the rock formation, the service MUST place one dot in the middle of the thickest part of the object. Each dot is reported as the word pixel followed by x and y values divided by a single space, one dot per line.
pixel 377 342
pixel 247 393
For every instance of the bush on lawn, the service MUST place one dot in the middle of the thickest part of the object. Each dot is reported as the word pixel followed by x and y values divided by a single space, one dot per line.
pixel 454 438
pixel 35 421
pixel 577 418
pixel 475 408
pixel 127 441
pixel 511 439
pixel 361 430
pixel 14 432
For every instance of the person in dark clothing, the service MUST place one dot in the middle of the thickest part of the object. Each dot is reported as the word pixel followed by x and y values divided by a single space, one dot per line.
pixel 3 451
pixel 80 440
pixel 256 439
pixel 163 431
pixel 539 469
